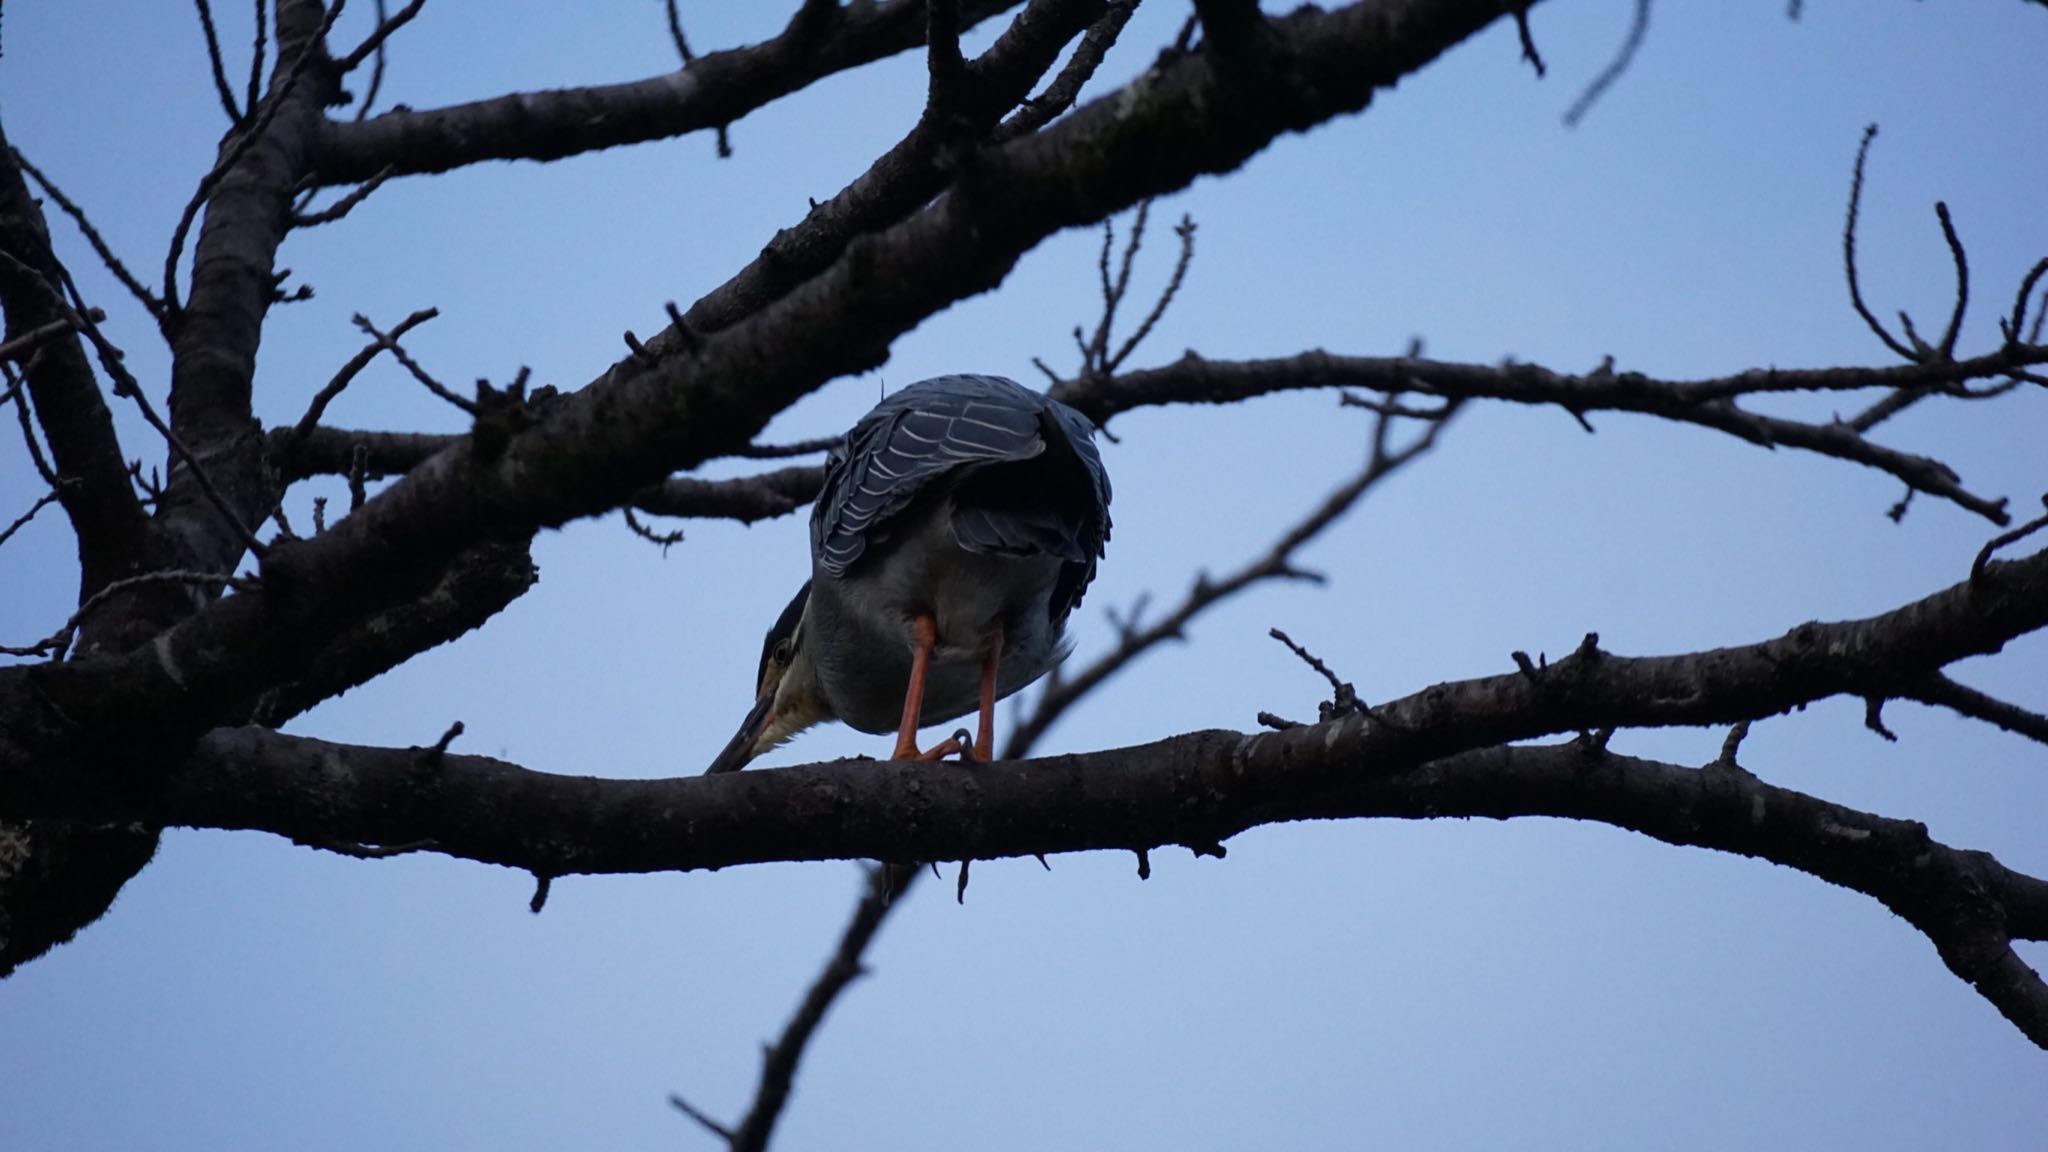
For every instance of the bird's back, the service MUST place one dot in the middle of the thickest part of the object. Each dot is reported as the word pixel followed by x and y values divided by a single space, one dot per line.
pixel 1017 473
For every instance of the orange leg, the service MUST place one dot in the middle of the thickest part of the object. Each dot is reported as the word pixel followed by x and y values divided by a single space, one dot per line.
pixel 924 633
pixel 985 739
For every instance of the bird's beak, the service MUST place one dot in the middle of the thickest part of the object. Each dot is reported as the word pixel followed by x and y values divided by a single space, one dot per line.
pixel 741 748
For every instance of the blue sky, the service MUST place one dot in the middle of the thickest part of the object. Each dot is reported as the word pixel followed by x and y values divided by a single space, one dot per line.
pixel 1533 984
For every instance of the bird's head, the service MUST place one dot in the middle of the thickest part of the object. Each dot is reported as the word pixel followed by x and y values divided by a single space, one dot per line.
pixel 787 695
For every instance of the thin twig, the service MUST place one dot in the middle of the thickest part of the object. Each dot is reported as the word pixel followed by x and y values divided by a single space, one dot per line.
pixel 1186 231
pixel 2014 536
pixel 42 502
pixel 376 39
pixel 1638 29
pixel 213 59
pixel 389 342
pixel 1938 689
pixel 1528 39
pixel 1039 110
pixel 346 204
pixel 664 540
pixel 100 247
pixel 262 40
pixel 1849 250
pixel 24 347
pixel 19 395
pixel 2019 304
pixel 675 33
pixel 376 83
pixel 348 373
pixel 886 886
pixel 58 642
pixel 1955 250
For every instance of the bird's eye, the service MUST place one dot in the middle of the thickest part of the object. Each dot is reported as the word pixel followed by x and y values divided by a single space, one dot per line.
pixel 782 652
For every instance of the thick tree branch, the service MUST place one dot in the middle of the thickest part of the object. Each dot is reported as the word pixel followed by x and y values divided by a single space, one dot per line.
pixel 1886 655
pixel 216 332
pixel 480 584
pixel 595 449
pixel 716 89
pixel 84 451
pixel 1196 789
pixel 902 179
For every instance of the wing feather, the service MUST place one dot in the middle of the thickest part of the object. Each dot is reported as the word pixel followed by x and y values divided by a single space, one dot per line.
pixel 911 440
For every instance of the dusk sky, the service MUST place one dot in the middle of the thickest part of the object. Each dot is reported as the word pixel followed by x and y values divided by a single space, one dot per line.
pixel 1529 984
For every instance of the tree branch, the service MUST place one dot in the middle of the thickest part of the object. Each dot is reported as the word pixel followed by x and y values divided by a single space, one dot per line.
pixel 84 451
pixel 1707 403
pixel 746 499
pixel 716 89
pixel 1195 789
pixel 595 449
pixel 216 332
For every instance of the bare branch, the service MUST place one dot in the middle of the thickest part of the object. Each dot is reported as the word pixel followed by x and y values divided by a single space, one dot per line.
pixel 343 206
pixel 2004 539
pixel 597 447
pixel 663 540
pixel 348 373
pixel 389 342
pixel 374 43
pixel 783 451
pixel 262 41
pixel 84 451
pixel 15 392
pixel 42 502
pixel 213 59
pixel 1707 403
pixel 901 181
pixel 100 247
pixel 22 348
pixel 1186 231
pixel 1528 39
pixel 57 643
pixel 1040 110
pixel 885 887
pixel 1849 251
pixel 721 87
pixel 480 583
pixel 1964 700
pixel 1947 348
pixel 1638 30
pixel 746 499
pixel 125 385
pixel 1200 788
pixel 244 140
pixel 946 96
pixel 1276 563
pixel 675 33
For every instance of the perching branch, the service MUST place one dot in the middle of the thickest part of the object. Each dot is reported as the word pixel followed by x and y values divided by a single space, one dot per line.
pixel 1441 752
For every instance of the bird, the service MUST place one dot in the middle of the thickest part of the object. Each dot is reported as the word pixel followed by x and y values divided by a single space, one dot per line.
pixel 958 526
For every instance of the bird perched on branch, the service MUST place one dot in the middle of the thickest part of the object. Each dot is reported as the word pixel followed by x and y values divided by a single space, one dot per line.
pixel 959 525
